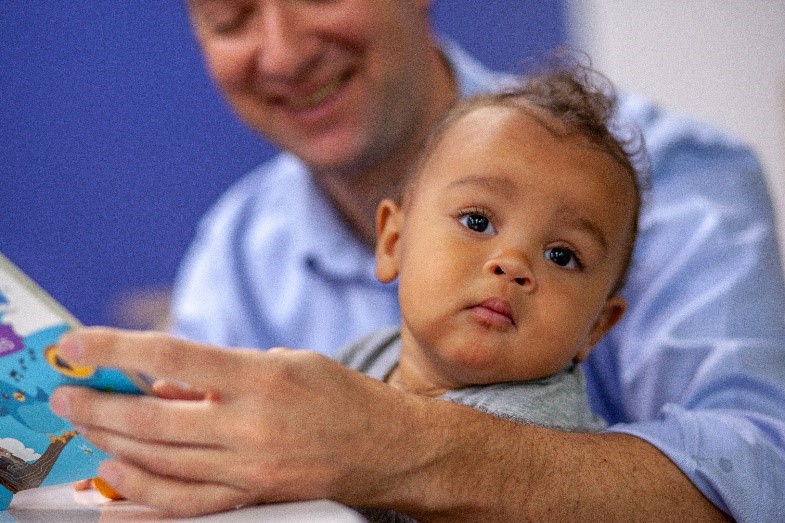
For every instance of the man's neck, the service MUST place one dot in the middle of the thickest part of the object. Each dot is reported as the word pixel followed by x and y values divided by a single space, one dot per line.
pixel 357 194
pixel 356 198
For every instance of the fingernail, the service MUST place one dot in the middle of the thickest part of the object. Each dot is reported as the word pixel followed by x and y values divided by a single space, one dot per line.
pixel 60 404
pixel 71 347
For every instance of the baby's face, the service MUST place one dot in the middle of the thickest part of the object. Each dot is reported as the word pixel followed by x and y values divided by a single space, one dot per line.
pixel 508 251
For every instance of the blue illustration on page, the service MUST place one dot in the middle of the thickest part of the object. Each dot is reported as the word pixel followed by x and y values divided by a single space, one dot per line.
pixel 38 448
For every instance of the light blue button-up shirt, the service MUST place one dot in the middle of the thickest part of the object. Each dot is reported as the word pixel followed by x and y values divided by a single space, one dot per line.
pixel 696 366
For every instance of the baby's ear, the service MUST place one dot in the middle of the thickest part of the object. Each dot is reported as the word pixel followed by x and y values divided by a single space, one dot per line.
pixel 389 218
pixel 609 316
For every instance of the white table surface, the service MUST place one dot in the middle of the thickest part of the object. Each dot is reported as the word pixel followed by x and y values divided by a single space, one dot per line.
pixel 60 503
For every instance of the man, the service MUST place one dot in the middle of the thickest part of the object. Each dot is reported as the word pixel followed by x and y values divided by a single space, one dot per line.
pixel 693 376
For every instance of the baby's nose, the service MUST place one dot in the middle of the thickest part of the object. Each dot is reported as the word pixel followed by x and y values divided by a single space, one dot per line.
pixel 513 266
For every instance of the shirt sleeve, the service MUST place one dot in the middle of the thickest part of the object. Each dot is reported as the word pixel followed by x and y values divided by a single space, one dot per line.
pixel 697 366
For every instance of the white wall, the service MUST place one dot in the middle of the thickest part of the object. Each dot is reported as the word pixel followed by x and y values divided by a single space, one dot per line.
pixel 721 60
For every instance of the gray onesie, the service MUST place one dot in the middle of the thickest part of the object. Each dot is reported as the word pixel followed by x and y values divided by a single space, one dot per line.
pixel 558 401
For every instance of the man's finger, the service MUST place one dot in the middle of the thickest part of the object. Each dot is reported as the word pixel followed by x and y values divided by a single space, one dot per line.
pixel 156 354
pixel 187 463
pixel 175 497
pixel 146 417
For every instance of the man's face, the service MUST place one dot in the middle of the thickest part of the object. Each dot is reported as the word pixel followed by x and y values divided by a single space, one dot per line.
pixel 507 250
pixel 337 82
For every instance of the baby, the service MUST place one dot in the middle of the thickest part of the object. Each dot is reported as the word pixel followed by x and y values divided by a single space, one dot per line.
pixel 510 244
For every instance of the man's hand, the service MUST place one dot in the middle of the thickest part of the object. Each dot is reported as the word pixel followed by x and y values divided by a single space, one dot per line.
pixel 230 427
pixel 235 427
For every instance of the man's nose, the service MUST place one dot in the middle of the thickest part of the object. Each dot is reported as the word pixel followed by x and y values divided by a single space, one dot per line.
pixel 285 49
pixel 513 265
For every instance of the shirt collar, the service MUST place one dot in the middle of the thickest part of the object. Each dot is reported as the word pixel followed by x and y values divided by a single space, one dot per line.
pixel 325 244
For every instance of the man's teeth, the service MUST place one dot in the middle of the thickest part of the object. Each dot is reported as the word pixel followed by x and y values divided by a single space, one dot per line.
pixel 316 97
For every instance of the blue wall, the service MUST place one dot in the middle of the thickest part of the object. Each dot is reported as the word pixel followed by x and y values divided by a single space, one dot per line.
pixel 113 141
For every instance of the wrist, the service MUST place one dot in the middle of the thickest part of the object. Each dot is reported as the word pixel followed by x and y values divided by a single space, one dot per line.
pixel 454 462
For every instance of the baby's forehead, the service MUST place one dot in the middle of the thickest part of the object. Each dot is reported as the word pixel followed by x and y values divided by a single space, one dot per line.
pixel 526 145
pixel 522 125
pixel 491 141
pixel 519 131
pixel 523 132
pixel 477 126
pixel 488 113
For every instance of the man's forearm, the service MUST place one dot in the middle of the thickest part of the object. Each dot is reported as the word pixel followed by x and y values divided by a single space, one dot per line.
pixel 293 425
pixel 480 468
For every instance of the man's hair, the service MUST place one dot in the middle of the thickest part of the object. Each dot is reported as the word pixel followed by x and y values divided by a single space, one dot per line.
pixel 566 100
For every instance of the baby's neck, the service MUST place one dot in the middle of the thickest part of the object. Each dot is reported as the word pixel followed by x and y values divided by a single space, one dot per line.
pixel 410 376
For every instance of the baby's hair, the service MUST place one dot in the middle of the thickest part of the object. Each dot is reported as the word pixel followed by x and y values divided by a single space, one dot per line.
pixel 567 100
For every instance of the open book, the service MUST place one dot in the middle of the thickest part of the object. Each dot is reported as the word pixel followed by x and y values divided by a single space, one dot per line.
pixel 38 448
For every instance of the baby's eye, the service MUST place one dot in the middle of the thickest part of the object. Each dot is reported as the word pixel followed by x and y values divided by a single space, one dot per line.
pixel 563 257
pixel 477 222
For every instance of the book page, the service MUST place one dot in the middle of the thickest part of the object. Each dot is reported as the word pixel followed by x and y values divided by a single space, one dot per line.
pixel 36 447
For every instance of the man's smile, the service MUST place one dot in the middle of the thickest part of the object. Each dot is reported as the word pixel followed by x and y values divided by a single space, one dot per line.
pixel 313 98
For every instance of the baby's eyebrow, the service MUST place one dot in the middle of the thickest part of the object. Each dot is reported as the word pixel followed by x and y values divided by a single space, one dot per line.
pixel 572 218
pixel 497 184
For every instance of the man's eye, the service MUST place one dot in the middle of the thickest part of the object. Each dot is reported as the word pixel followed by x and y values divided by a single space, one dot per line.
pixel 477 222
pixel 223 17
pixel 230 24
pixel 562 257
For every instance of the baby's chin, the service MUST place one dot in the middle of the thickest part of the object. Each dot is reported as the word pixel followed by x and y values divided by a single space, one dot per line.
pixel 455 362
pixel 466 368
